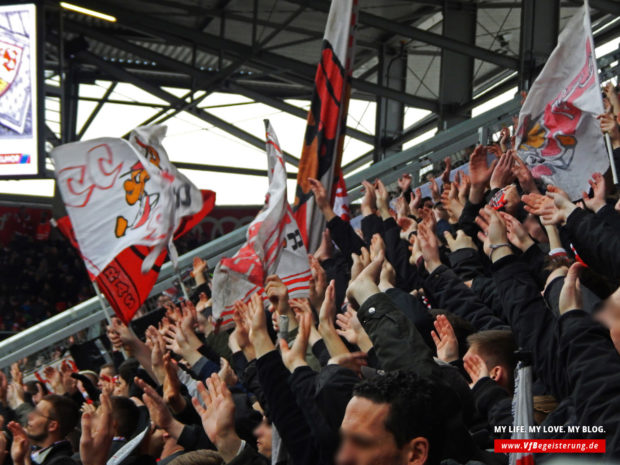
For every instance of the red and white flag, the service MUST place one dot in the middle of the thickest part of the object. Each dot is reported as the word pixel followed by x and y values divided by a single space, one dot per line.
pixel 341 199
pixel 558 136
pixel 274 246
pixel 323 141
pixel 125 203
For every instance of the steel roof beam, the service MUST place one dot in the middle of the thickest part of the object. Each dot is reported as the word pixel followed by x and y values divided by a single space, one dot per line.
pixel 423 36
pixel 303 72
pixel 176 102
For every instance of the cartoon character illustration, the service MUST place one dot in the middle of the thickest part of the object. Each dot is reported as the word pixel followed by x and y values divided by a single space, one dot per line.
pixel 136 192
pixel 548 141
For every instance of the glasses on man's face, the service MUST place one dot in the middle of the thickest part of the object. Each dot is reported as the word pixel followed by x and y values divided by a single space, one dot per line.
pixel 38 413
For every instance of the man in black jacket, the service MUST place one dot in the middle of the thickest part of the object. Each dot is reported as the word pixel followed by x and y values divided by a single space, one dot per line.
pixel 48 426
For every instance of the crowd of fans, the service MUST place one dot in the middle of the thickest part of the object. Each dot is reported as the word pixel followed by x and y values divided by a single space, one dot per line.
pixel 404 353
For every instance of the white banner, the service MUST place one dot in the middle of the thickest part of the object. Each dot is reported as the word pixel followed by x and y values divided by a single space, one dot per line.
pixel 559 137
pixel 274 246
pixel 119 194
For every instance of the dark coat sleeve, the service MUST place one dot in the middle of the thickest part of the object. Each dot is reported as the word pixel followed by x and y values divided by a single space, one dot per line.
pixel 493 402
pixel 597 243
pixel 371 225
pixel 397 253
pixel 531 321
pixel 592 365
pixel 397 342
pixel 449 293
pixel 345 237
pixel 284 411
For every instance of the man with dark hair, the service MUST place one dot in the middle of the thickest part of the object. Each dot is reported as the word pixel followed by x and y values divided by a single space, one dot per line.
pixel 496 348
pixel 125 416
pixel 402 418
pixel 48 425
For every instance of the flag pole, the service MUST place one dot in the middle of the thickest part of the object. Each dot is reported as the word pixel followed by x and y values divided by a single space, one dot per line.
pixel 612 162
pixel 104 308
pixel 183 288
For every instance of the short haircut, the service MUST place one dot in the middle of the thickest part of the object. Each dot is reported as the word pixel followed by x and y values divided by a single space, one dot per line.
pixel 498 346
pixel 109 366
pixel 126 415
pixel 128 370
pixel 65 411
pixel 419 407
pixel 198 457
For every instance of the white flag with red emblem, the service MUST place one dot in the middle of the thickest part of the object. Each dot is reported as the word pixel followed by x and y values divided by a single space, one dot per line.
pixel 120 194
pixel 274 246
pixel 558 136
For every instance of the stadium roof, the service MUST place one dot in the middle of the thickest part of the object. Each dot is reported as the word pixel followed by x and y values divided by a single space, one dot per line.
pixel 266 51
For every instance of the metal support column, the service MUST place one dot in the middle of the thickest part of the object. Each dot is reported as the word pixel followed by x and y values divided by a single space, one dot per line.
pixel 392 74
pixel 457 69
pixel 540 23
pixel 69 106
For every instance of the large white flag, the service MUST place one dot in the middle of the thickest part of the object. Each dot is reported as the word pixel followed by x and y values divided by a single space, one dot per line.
pixel 558 136
pixel 274 246
pixel 120 194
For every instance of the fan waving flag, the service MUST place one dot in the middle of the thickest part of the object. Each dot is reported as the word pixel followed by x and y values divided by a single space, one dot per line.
pixel 274 246
pixel 125 203
pixel 558 135
pixel 323 141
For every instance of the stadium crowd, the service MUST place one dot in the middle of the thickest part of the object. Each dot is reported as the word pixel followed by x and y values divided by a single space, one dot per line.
pixel 404 353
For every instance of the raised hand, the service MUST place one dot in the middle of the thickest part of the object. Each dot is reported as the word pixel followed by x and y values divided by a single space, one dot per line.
pixel 158 411
pixel 464 184
pixel 198 270
pixel 383 199
pixel 517 235
pixel 475 368
pixel 364 284
pixel 295 356
pixel 318 282
pixel 451 202
pixel 435 191
pixel 445 340
pixel 95 443
pixel 493 233
pixel 429 246
pixel 359 262
pixel 155 342
pixel 599 189
pixel 461 241
pixel 415 202
pixel 479 170
pixel 404 182
pixel 258 326
pixel 55 379
pixel 354 361
pixel 369 201
pixel 278 295
pixel 319 192
pixel 172 385
pixel 570 295
pixel 226 373
pixel 502 174
pixel 523 174
pixel 351 329
pixel 445 175
pixel 218 416
pixel 20 448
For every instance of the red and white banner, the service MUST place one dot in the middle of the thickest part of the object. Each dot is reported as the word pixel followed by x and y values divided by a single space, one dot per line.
pixel 558 136
pixel 341 199
pixel 125 202
pixel 323 141
pixel 274 246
